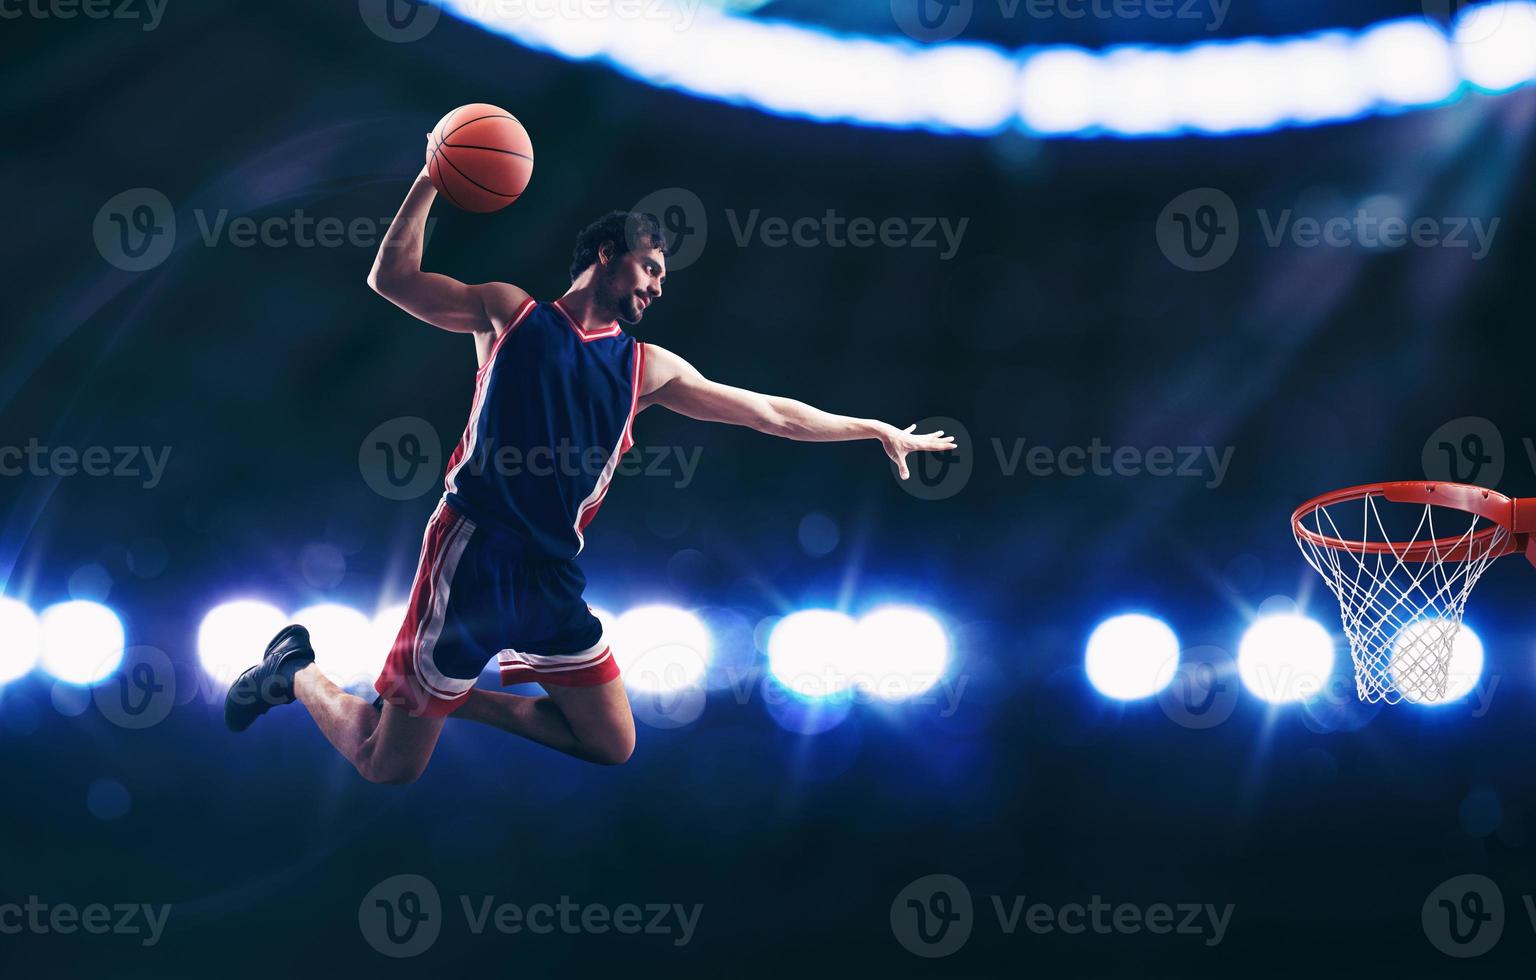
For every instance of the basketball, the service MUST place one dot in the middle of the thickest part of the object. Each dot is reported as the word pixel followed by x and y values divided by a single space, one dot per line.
pixel 480 158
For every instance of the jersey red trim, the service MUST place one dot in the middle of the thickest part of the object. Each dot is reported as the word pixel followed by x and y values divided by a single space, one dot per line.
pixel 612 330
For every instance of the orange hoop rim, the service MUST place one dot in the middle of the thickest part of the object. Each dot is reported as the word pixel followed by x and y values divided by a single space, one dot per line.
pixel 1505 513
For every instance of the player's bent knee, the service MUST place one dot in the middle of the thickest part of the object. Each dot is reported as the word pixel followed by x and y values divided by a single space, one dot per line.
pixel 615 749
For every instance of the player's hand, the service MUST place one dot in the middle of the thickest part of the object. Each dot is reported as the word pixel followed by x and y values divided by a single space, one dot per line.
pixel 900 442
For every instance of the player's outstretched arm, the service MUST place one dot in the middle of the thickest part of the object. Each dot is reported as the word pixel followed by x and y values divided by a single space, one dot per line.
pixel 436 299
pixel 673 383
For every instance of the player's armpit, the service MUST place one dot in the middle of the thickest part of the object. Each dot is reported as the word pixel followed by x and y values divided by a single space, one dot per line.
pixel 448 304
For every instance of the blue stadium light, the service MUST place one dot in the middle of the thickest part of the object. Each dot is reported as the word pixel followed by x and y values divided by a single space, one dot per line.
pixel 23 640
pixel 1285 657
pixel 233 635
pixel 345 650
pixel 813 653
pixel 660 649
pixel 1132 656
pixel 902 652
pixel 1213 88
pixel 1466 666
pixel 82 642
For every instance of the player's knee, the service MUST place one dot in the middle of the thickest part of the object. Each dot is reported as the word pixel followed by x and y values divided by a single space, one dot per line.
pixel 390 771
pixel 616 749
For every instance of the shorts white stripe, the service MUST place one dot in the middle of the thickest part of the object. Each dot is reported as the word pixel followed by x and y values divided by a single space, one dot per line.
pixel 571 661
pixel 427 634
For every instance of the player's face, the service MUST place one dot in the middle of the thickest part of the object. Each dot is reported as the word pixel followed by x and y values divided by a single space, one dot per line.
pixel 635 282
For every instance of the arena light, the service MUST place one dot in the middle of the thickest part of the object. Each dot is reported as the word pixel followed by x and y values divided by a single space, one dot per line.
pixel 233 635
pixel 82 642
pixel 344 642
pixel 1131 656
pixel 1466 665
pixel 1285 657
pixel 902 652
pixel 23 640
pixel 814 653
pixel 1496 45
pixel 1212 87
pixel 660 648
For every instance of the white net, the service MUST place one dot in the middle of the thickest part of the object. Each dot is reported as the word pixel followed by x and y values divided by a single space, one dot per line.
pixel 1402 586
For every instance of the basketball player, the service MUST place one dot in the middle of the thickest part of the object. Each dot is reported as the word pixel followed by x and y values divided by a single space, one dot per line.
pixel 497 575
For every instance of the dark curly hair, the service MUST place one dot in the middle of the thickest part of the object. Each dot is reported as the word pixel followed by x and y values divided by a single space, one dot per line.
pixel 627 230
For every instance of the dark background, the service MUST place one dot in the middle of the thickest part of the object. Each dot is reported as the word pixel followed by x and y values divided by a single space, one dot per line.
pixel 1060 321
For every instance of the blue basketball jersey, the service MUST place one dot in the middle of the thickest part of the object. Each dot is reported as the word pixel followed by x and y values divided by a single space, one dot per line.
pixel 553 413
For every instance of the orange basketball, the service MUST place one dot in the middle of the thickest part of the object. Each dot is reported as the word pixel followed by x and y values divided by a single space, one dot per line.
pixel 480 157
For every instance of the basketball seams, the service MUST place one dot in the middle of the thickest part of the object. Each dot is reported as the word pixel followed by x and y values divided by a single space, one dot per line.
pixel 461 173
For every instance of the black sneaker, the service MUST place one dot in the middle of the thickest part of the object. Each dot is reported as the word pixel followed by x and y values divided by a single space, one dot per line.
pixel 269 683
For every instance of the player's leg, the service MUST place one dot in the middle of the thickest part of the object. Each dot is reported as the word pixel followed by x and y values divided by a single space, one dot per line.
pixel 389 746
pixel 590 723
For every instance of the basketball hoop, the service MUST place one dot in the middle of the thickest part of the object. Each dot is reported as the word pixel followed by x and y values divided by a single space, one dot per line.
pixel 1402 559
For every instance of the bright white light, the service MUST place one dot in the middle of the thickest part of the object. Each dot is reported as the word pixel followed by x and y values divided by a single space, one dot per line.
pixel 1323 78
pixel 1408 62
pixel 660 648
pixel 814 653
pixel 1216 87
pixel 1285 657
pixel 345 644
pixel 233 636
pixel 1132 656
pixel 82 642
pixel 1057 89
pixel 902 652
pixel 1496 45
pixel 21 640
pixel 1136 91
pixel 1415 642
pixel 385 627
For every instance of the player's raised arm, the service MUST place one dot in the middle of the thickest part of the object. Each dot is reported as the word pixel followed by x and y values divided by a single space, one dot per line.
pixel 437 299
pixel 673 383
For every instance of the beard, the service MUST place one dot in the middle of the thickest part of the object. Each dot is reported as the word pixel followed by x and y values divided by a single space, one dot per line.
pixel 629 309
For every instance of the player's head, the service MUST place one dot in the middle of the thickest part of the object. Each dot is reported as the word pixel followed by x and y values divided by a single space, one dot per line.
pixel 624 254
